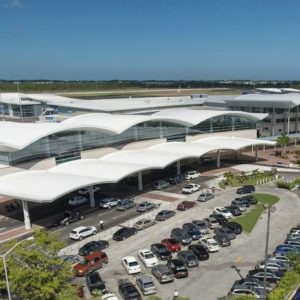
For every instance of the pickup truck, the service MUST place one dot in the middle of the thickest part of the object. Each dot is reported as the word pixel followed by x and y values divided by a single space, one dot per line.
pixel 191 188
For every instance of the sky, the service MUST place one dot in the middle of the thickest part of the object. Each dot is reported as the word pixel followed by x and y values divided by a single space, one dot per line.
pixel 150 39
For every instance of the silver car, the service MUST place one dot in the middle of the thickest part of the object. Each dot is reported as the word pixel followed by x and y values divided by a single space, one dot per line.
pixel 143 223
pixel 145 206
pixel 146 285
pixel 205 197
pixel 163 273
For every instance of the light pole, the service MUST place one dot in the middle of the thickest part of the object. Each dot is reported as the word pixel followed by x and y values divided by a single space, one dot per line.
pixel 270 209
pixel 3 256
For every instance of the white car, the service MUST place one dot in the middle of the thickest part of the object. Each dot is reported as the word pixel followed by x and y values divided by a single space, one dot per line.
pixel 191 175
pixel 191 188
pixel 131 265
pixel 85 191
pixel 81 232
pixel 223 211
pixel 210 244
pixel 279 164
pixel 78 200
pixel 147 258
pixel 109 296
pixel 109 202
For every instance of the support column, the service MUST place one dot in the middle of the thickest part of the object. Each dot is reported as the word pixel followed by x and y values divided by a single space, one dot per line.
pixel 178 167
pixel 140 181
pixel 211 125
pixel 256 153
pixel 26 215
pixel 288 121
pixel 232 123
pixel 273 122
pixel 79 139
pixel 92 198
pixel 218 159
pixel 160 130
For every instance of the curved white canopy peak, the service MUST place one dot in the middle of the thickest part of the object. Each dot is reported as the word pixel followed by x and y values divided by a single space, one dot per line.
pixel 47 186
pixel 111 124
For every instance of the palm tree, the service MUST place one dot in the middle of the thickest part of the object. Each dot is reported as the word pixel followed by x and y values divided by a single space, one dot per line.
pixel 228 177
pixel 255 173
pixel 282 141
pixel 243 177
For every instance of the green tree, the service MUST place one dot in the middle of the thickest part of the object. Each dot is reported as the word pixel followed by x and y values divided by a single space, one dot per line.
pixel 35 270
pixel 228 177
pixel 243 177
pixel 255 173
pixel 282 141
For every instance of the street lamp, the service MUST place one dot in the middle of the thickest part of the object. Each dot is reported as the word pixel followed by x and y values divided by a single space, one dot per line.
pixel 3 256
pixel 270 209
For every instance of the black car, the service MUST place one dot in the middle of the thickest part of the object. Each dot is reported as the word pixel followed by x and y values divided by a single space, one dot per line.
pixel 161 251
pixel 95 284
pixel 164 215
pixel 235 210
pixel 128 291
pixel 225 231
pixel 178 268
pixel 250 198
pixel 220 218
pixel 92 246
pixel 192 230
pixel 68 217
pixel 271 276
pixel 181 235
pixel 243 200
pixel 235 227
pixel 124 233
pixel 176 179
pixel 222 239
pixel 200 251
pixel 188 258
pixel 246 189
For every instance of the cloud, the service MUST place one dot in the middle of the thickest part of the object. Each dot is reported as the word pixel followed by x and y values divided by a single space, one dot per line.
pixel 14 3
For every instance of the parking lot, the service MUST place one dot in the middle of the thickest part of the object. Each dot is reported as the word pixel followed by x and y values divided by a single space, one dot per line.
pixel 213 278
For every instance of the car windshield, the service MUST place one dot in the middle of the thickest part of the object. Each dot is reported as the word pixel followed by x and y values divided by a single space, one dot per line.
pixel 148 284
pixel 148 256
pixel 84 262
pixel 173 242
pixel 180 268
pixel 212 243
pixel 190 257
pixel 133 264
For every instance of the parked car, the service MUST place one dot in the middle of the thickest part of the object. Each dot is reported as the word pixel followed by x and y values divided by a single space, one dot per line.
pixel 226 231
pixel 245 201
pixel 86 191
pixel 208 159
pixel 176 179
pixel 128 291
pixel 92 246
pixel 79 233
pixel 223 211
pixel 235 210
pixel 285 250
pixel 220 218
pixel 162 273
pixel 189 259
pixel 163 215
pixel 249 198
pixel 124 233
pixel 255 283
pixel 272 265
pixel 160 185
pixel 125 204
pixel 69 217
pixel 180 235
pixel 172 244
pixel 240 204
pixel 246 291
pixel 222 239
pixel 146 285
pixel 280 164
pixel 246 189
pixel 108 202
pixel 279 258
pixel 202 226
pixel 210 244
pixel 78 200
pixel 200 251
pixel 185 205
pixel 192 230
pixel 147 258
pixel 131 265
pixel 145 206
pixel 234 227
pixel 71 259
pixel 205 197
pixel 271 276
pixel 178 268
pixel 191 175
pixel 191 188
pixel 143 224
pixel 295 243
pixel 91 263
pixel 95 284
pixel 211 222
pixel 161 251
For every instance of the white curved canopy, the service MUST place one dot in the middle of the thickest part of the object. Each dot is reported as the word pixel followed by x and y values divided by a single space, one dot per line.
pixel 16 136
pixel 47 186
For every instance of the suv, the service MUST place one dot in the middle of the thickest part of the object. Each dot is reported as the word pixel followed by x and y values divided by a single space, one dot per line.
pixel 191 175
pixel 176 179
pixel 222 239
pixel 91 263
pixel 192 230
pixel 128 291
pixel 82 231
pixel 95 284
pixel 178 268
pixel 162 273
pixel 69 217
pixel 125 204
pixel 160 184
pixel 188 258
pixel 92 246
pixel 246 189
pixel 200 251
pixel 185 205
pixel 202 226
pixel 181 235
pixel 146 285
pixel 145 206
pixel 78 200
pixel 161 251
pixel 108 202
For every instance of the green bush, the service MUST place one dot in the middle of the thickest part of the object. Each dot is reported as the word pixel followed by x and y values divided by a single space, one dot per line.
pixel 285 185
pixel 153 298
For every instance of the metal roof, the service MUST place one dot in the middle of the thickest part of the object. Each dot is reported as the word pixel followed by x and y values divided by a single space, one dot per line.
pixel 47 186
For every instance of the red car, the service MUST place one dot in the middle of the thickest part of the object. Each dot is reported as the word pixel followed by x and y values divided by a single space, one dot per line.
pixel 184 205
pixel 172 244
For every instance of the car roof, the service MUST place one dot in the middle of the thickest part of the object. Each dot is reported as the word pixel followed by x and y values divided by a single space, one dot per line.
pixel 145 251
pixel 145 278
pixel 80 228
pixel 129 258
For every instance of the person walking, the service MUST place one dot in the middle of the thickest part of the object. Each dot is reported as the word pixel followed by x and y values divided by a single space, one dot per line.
pixel 101 224
pixel 176 295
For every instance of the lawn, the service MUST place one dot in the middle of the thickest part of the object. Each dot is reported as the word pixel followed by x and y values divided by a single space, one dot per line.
pixel 236 183
pixel 248 220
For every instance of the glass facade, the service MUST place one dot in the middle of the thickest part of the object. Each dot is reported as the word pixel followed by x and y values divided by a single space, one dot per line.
pixel 58 145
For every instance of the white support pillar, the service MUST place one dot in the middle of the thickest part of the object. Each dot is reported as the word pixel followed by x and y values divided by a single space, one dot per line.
pixel 92 198
pixel 256 153
pixel 160 130
pixel 140 181
pixel 178 167
pixel 288 121
pixel 26 215
pixel 218 159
